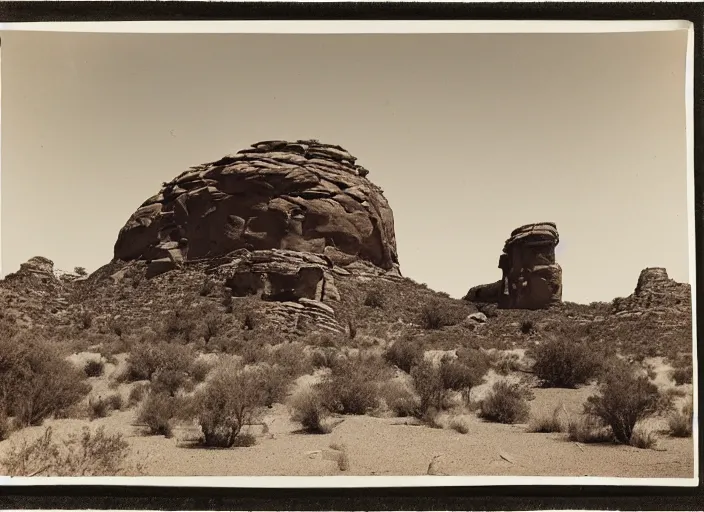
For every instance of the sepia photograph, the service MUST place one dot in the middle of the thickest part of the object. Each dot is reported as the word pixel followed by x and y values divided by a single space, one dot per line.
pixel 437 254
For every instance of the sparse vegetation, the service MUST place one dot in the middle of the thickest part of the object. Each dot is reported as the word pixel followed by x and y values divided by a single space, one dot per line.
pixel 429 385
pixel 683 375
pixel 643 437
pixel 100 407
pixel 433 316
pixel 459 425
pixel 351 387
pixel 507 402
pixel 92 453
pixel 400 399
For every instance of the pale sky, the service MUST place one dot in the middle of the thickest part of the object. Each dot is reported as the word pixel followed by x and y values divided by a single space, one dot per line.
pixel 469 135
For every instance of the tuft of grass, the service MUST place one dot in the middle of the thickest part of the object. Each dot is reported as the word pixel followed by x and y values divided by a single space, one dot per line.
pixel 589 429
pixel 643 437
pixel 459 425
pixel 547 423
pixel 680 422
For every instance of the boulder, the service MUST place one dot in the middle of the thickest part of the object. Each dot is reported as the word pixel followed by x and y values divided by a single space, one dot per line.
pixel 303 196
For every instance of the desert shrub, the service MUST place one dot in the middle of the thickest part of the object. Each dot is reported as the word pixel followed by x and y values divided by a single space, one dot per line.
pixel 94 368
pixel 308 410
pixel 458 376
pixel 624 399
pixel 5 427
pixel 400 399
pixel 589 429
pixel 680 422
pixel 527 327
pixel 92 453
pixel 350 388
pixel 507 402
pixel 643 437
pixel 212 325
pixel 230 400
pixel 433 316
pixel 324 357
pixel 181 324
pixel 504 363
pixel 405 354
pixel 563 364
pixel 199 370
pixel 35 381
pixel 85 319
pixel 428 383
pixel 274 382
pixel 292 358
pixel 374 298
pixel 547 423
pixel 683 375
pixel 98 408
pixel 459 425
pixel 157 413
pixel 168 365
pixel 137 393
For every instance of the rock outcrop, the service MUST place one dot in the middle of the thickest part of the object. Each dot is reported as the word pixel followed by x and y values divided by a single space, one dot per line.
pixel 656 293
pixel 531 279
pixel 301 196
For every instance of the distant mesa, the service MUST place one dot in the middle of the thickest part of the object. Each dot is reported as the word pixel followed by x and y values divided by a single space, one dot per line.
pixel 302 196
pixel 531 279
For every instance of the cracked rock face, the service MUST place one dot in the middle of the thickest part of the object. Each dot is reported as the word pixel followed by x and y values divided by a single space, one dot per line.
pixel 300 196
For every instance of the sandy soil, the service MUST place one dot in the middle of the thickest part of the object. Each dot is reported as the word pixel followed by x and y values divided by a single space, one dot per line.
pixel 394 446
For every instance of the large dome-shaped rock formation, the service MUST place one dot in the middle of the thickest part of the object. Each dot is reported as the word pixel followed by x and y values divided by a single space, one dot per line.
pixel 301 196
pixel 532 279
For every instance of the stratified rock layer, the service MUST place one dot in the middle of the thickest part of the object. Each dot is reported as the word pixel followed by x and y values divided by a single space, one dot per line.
pixel 655 293
pixel 301 196
pixel 532 279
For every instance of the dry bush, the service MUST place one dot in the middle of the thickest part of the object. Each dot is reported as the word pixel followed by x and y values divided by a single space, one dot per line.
pixel 100 407
pixel 374 298
pixel 680 422
pixel 433 316
pixel 506 403
pixel 92 453
pixel 181 324
pixel 274 382
pixel 462 374
pixel 589 429
pixel 643 437
pixel 400 399
pixel 428 383
pixel 459 425
pixel 230 400
pixel 308 410
pixel 682 375
pixel 157 414
pixel 137 393
pixel 170 366
pixel 351 387
pixel 405 354
pixel 563 364
pixel 624 399
pixel 547 423
pixel 35 381
pixel 292 358
pixel 94 368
